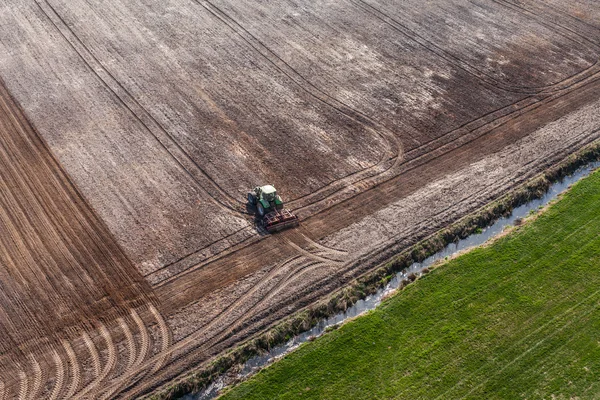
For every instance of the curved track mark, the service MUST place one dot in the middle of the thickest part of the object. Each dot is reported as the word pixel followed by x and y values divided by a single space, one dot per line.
pixel 310 255
pixel 131 349
pixel 144 117
pixel 23 385
pixel 394 146
pixel 166 339
pixel 290 277
pixel 37 378
pixel 59 382
pixel 93 351
pixel 552 25
pixel 144 338
pixel 217 320
pixel 110 363
pixel 165 335
pixel 325 248
pixel 76 372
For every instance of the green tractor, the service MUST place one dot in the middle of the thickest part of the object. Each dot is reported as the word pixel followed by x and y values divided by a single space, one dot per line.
pixel 265 199
pixel 269 207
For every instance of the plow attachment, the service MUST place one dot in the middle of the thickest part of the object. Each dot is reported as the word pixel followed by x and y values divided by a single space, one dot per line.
pixel 279 220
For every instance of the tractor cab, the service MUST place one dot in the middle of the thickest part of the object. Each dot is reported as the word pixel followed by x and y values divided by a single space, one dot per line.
pixel 269 193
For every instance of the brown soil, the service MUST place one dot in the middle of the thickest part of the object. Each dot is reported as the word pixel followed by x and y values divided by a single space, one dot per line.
pixel 131 130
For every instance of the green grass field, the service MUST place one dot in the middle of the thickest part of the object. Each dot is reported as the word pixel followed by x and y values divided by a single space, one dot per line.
pixel 516 320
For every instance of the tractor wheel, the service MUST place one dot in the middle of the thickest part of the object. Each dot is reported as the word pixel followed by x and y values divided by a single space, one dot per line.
pixel 252 198
pixel 260 209
pixel 279 206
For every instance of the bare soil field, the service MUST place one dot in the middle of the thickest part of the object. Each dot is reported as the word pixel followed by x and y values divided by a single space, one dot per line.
pixel 130 132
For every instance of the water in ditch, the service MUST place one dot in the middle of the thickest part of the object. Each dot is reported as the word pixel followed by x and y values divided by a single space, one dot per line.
pixel 374 300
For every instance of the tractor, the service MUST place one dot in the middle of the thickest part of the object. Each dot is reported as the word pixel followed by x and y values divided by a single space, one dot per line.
pixel 269 208
pixel 265 199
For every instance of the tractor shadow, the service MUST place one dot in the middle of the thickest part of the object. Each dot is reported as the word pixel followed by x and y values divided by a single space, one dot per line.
pixel 256 220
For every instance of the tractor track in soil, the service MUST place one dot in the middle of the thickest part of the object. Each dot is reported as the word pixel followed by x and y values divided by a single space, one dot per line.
pixel 465 66
pixel 108 365
pixel 38 378
pixel 131 347
pixel 318 262
pixel 310 294
pixel 468 137
pixel 61 373
pixel 305 204
pixel 508 131
pixel 152 126
pixel 58 221
pixel 75 370
pixel 299 267
pixel 544 21
pixel 394 151
pixel 185 161
pixel 166 140
pixel 558 11
pixel 58 238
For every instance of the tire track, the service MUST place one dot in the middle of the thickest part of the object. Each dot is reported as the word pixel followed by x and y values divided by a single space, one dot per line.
pixel 45 221
pixel 329 253
pixel 144 338
pixel 221 317
pixel 54 236
pixel 59 382
pixel 303 268
pixel 360 188
pixel 218 195
pixel 37 378
pixel 566 14
pixel 162 356
pixel 23 385
pixel 109 365
pixel 395 149
pixel 60 263
pixel 264 282
pixel 456 61
pixel 165 274
pixel 232 23
pixel 441 145
pixel 165 335
pixel 75 370
pixel 299 265
pixel 283 282
pixel 95 357
pixel 524 173
pixel 555 26
pixel 146 119
pixel 130 344
pixel 310 255
pixel 474 135
pixel 497 124
pixel 528 171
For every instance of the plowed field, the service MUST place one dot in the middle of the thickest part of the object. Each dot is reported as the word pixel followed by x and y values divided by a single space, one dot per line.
pixel 130 132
